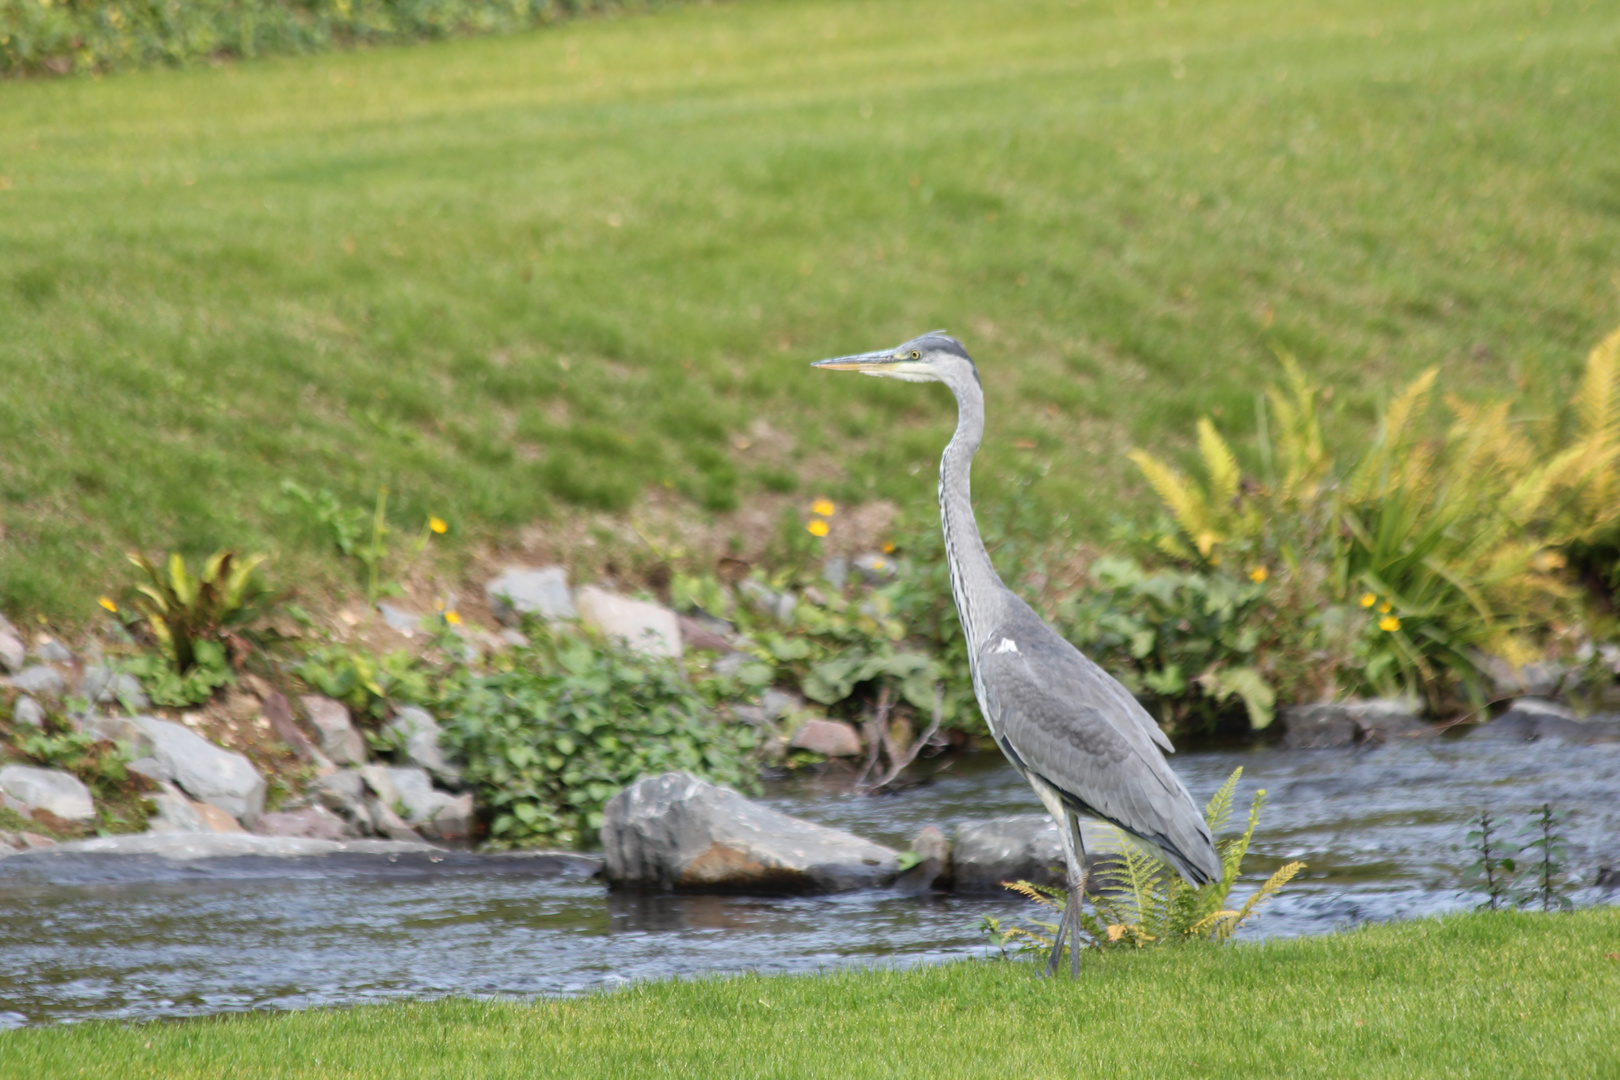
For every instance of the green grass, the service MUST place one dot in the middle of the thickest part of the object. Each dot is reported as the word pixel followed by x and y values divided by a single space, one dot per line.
pixel 513 277
pixel 1487 995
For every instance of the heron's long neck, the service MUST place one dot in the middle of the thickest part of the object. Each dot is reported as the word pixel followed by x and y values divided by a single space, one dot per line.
pixel 975 585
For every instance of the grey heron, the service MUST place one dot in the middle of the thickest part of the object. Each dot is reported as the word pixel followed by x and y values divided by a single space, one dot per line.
pixel 1082 741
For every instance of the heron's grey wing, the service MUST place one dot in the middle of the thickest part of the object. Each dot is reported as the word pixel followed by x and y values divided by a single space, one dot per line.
pixel 1059 716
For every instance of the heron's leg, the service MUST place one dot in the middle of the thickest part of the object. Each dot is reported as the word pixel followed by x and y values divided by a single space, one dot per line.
pixel 1077 893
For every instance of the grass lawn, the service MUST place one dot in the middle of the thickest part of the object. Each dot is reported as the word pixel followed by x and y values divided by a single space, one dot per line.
pixel 1485 995
pixel 514 277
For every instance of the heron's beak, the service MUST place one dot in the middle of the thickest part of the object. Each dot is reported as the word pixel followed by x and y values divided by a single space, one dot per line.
pixel 858 362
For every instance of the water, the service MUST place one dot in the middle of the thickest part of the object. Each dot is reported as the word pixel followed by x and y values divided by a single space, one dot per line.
pixel 121 937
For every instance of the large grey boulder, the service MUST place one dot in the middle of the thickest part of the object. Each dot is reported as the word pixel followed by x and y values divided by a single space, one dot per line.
pixel 1018 847
pixel 419 732
pixel 831 738
pixel 27 789
pixel 206 772
pixel 453 822
pixel 174 813
pixel 647 628
pixel 343 792
pixel 333 726
pixel 40 681
pixel 522 590
pixel 676 832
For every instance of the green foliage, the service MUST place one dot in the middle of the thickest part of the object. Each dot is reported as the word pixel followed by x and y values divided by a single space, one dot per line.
pixel 166 684
pixel 370 685
pixel 182 609
pixel 102 765
pixel 561 726
pixel 60 36
pixel 1495 869
pixel 1449 545
pixel 1188 640
pixel 1550 852
pixel 1140 901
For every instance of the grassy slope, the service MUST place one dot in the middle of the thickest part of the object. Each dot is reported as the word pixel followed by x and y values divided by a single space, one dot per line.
pixel 510 276
pixel 1506 995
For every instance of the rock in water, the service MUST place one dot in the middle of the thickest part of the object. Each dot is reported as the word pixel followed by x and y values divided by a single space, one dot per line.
pixel 1019 847
pixel 676 832
pixel 206 772
pixel 27 789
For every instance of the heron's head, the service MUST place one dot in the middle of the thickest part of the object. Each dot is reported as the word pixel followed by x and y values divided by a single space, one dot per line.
pixel 934 357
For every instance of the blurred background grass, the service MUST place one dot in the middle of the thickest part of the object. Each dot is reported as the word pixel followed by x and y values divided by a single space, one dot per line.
pixel 514 278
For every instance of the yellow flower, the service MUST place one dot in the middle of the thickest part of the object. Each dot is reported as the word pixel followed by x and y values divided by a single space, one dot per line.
pixel 107 602
pixel 1259 574
pixel 1389 623
pixel 437 524
pixel 824 507
pixel 1386 607
pixel 453 618
pixel 1368 599
pixel 817 528
pixel 888 547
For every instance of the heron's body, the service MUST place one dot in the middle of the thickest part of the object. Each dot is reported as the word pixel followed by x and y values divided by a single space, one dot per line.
pixel 1082 741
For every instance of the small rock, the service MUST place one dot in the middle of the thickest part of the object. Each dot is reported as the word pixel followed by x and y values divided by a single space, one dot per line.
pixel 767 601
pixel 646 628
pixel 1532 719
pixel 832 738
pixel 752 715
pixel 678 832
pixel 694 635
pixel 417 794
pixel 206 772
pixel 453 822
pixel 25 710
pixel 1532 680
pixel 874 566
pixel 102 685
pixel 523 591
pixel 836 571
pixel 313 822
pixel 515 638
pixel 13 655
pixel 52 651
pixel 278 710
pixel 54 791
pixel 40 681
pixel 421 734
pixel 779 703
pixel 380 779
pixel 406 622
pixel 386 822
pixel 932 869
pixel 730 664
pixel 34 841
pixel 339 740
pixel 175 813
pixel 1018 847
pixel 343 792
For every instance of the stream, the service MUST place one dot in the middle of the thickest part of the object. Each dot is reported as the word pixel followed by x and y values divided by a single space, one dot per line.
pixel 124 937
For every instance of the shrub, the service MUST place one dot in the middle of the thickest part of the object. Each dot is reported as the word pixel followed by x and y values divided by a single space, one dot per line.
pixel 563 725
pixel 1407 561
pixel 61 36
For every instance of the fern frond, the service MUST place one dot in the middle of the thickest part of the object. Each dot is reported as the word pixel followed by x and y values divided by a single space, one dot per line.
pixel 1219 808
pixel 1221 463
pixel 1265 892
pixel 1186 503
pixel 1039 893
pixel 1594 398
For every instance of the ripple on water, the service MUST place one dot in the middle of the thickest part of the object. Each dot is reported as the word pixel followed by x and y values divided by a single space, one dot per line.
pixel 1383 832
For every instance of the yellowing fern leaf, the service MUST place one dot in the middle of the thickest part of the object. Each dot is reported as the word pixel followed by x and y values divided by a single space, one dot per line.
pixel 1186 503
pixel 1220 462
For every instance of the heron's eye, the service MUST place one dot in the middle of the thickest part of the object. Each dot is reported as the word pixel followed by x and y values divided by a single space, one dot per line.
pixel 915 355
